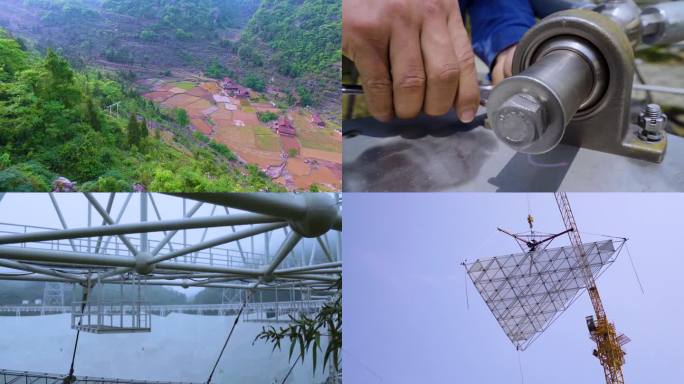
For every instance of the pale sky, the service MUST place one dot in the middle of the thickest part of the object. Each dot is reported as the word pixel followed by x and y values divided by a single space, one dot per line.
pixel 405 311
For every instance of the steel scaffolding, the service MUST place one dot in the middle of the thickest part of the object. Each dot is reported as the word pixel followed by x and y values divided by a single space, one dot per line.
pixel 265 241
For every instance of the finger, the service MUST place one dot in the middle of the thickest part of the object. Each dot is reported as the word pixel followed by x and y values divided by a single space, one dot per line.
pixel 468 97
pixel 508 68
pixel 441 64
pixel 498 73
pixel 373 66
pixel 408 72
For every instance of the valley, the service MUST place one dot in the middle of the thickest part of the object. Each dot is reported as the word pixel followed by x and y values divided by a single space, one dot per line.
pixel 177 53
pixel 294 146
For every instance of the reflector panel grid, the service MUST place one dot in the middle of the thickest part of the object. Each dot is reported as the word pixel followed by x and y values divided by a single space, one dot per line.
pixel 527 291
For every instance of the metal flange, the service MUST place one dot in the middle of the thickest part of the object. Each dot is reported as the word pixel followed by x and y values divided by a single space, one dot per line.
pixel 577 66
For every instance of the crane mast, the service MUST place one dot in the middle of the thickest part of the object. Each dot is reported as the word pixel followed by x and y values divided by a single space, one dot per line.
pixel 608 342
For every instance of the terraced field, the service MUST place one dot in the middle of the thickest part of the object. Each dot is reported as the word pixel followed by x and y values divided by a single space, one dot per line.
pixel 313 157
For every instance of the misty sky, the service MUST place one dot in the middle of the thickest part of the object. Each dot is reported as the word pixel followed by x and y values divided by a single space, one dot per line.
pixel 405 290
pixel 37 210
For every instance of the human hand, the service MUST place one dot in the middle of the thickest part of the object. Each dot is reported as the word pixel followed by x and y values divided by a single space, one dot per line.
pixel 413 56
pixel 503 65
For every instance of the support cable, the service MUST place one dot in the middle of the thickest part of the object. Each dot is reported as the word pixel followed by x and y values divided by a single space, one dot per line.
pixel 362 364
pixel 290 371
pixel 86 291
pixel 598 234
pixel 635 271
pixel 631 261
pixel 465 281
pixel 237 318
pixel 642 80
pixel 522 376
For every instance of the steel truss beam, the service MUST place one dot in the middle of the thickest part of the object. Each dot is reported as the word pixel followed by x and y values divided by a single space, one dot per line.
pixel 266 213
pixel 150 226
pixel 290 207
pixel 300 284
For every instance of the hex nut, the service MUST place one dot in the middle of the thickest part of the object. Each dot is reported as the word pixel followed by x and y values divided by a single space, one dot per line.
pixel 520 120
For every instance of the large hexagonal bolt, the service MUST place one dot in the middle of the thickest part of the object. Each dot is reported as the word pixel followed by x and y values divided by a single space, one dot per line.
pixel 652 122
pixel 529 111
pixel 520 120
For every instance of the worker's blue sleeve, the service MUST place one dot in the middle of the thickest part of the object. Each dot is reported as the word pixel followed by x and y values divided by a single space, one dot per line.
pixel 497 25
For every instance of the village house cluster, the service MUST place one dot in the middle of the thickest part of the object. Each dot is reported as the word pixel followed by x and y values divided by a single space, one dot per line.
pixel 233 89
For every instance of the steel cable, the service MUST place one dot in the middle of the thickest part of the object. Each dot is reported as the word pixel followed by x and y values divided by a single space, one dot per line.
pixel 290 371
pixel 70 379
pixel 218 359
pixel 635 271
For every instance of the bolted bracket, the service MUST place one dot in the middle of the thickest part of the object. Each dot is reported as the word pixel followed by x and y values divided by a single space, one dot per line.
pixel 604 125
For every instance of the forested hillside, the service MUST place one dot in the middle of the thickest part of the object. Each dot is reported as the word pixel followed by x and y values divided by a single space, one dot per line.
pixel 14 292
pixel 215 295
pixel 186 19
pixel 305 35
pixel 53 124
pixel 292 44
pixel 143 33
pixel 302 40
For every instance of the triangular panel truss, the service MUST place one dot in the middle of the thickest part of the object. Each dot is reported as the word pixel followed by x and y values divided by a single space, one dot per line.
pixel 526 292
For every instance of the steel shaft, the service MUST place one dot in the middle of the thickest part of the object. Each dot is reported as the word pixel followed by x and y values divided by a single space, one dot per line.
pixel 529 111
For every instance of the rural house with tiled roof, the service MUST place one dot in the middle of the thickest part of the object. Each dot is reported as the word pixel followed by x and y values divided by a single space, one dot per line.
pixel 284 127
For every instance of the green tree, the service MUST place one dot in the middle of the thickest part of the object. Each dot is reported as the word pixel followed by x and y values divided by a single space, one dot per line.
pixel 267 116
pixel 112 181
pixel 157 133
pixel 5 160
pixel 59 84
pixel 217 71
pixel 84 158
pixel 183 35
pixel 12 57
pixel 182 117
pixel 26 177
pixel 149 35
pixel 144 131
pixel 305 98
pixel 255 82
pixel 92 115
pixel 223 150
pixel 133 131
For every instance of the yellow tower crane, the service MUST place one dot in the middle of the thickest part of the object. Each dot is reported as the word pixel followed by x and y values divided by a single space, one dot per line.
pixel 608 342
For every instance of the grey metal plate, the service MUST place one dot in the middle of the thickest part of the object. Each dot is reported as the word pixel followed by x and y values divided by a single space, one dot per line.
pixel 441 154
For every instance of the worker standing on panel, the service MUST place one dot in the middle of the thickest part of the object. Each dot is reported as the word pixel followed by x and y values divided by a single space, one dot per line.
pixel 416 56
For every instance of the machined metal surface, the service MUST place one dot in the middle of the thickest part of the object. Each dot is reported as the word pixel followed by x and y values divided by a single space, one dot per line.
pixel 601 119
pixel 441 154
pixel 529 112
pixel 586 51
pixel 626 14
pixel 663 23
